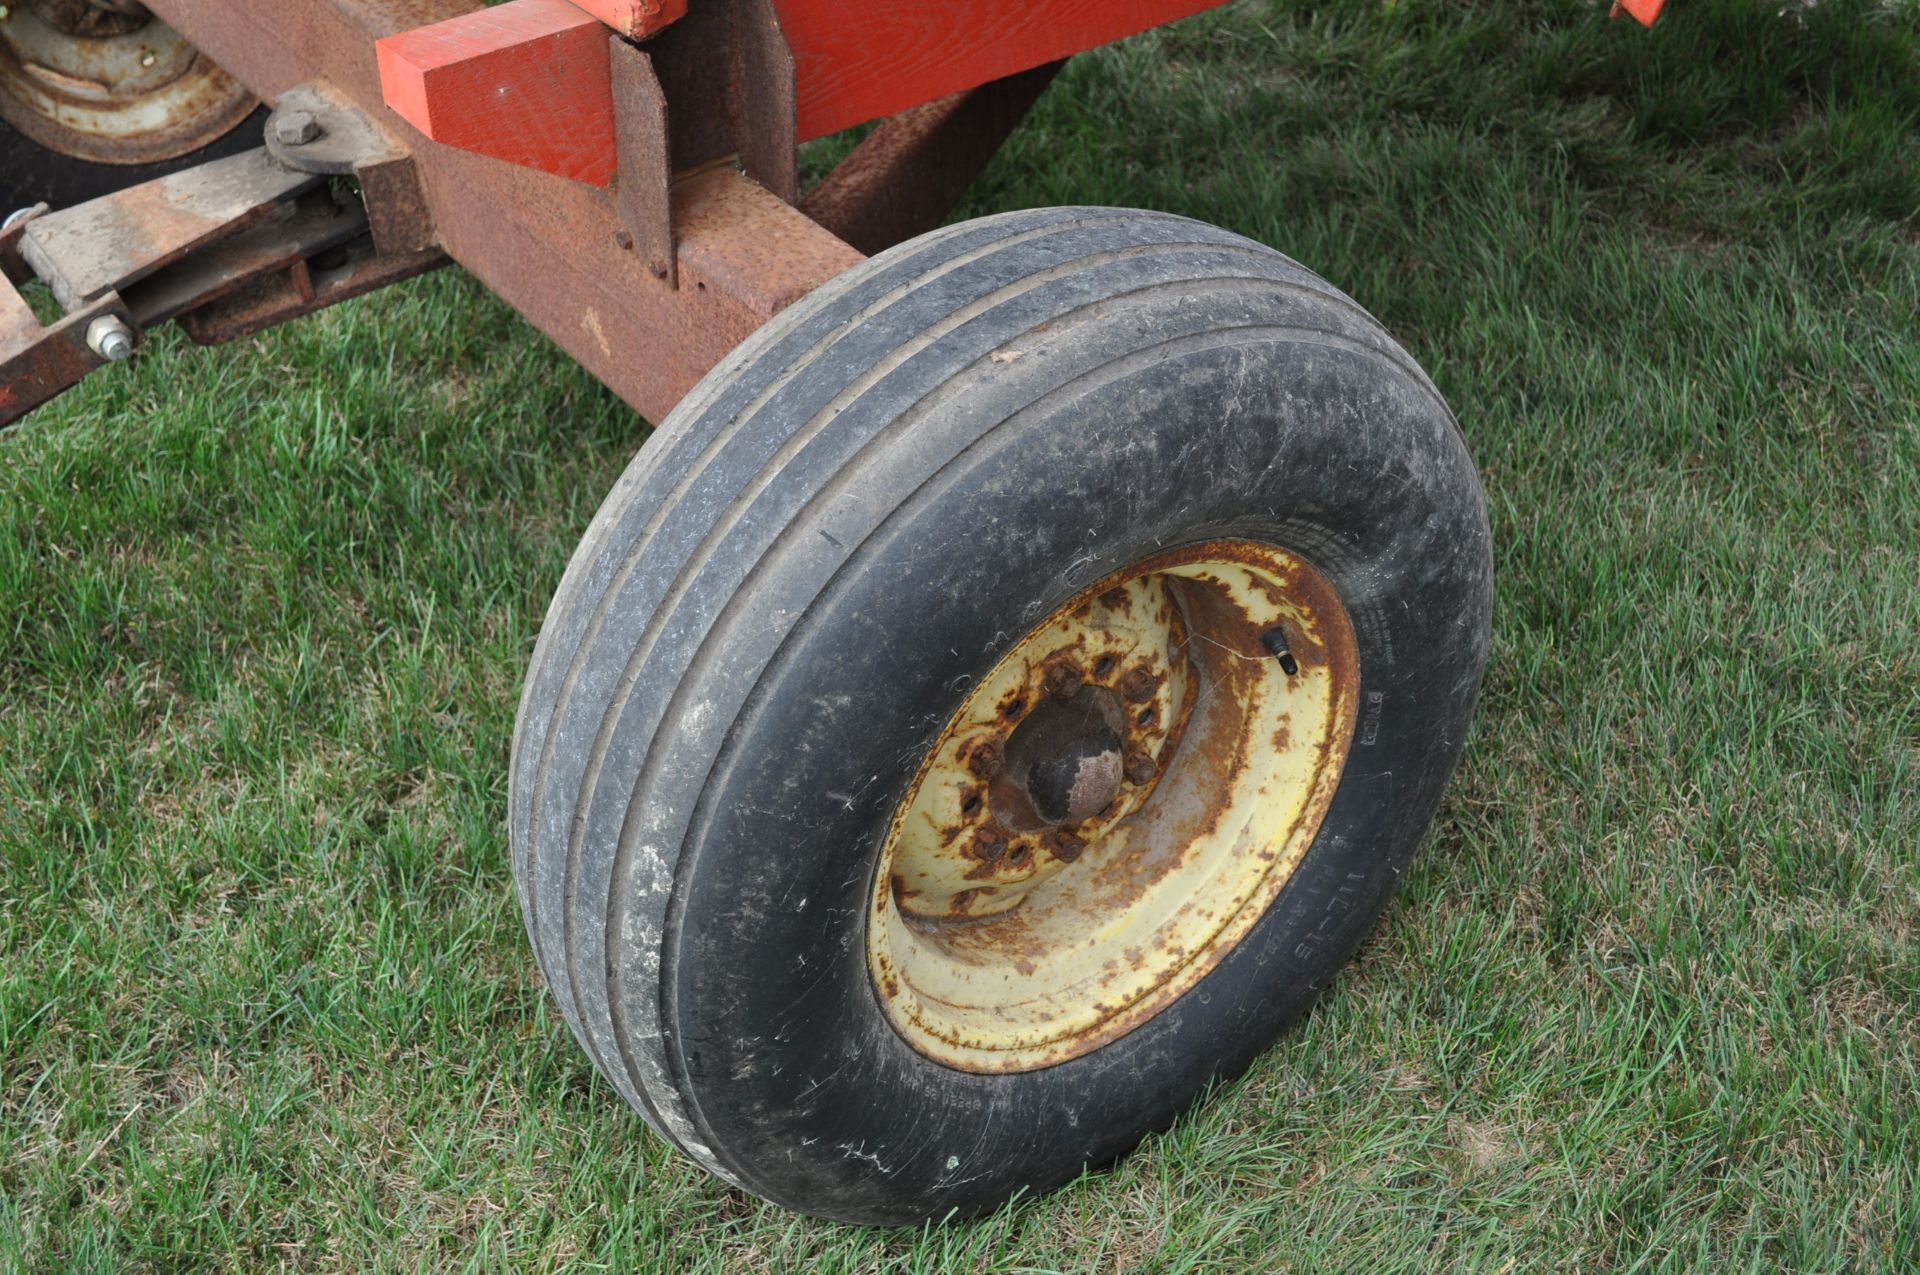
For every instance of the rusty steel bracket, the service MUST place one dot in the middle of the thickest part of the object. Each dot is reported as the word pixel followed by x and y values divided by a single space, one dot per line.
pixel 643 182
pixel 717 85
pixel 38 360
pixel 728 75
pixel 227 248
pixel 307 284
pixel 11 266
pixel 90 256
pixel 314 129
pixel 93 248
pixel 908 173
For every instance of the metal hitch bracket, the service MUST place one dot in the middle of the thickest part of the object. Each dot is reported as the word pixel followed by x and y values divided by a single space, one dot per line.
pixel 227 247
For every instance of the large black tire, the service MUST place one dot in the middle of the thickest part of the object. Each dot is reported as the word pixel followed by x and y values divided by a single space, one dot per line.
pixel 853 516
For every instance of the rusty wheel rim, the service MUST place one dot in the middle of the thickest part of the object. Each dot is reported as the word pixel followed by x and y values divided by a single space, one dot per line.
pixel 124 90
pixel 1113 807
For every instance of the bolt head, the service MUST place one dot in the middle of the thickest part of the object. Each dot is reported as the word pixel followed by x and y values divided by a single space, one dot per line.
pixel 1141 768
pixel 1065 846
pixel 1064 679
pixel 1137 685
pixel 985 759
pixel 295 128
pixel 110 338
pixel 990 844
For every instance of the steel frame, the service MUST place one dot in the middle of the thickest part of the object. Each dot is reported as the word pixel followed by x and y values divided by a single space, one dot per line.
pixel 550 247
pixel 694 235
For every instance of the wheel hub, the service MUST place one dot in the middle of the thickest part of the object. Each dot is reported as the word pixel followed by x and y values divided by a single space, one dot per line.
pixel 104 81
pixel 1113 806
pixel 1065 757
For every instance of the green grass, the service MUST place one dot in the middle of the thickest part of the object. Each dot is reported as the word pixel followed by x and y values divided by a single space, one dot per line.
pixel 1650 999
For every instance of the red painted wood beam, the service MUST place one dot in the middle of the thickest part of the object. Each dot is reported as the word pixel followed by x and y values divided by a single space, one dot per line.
pixel 526 82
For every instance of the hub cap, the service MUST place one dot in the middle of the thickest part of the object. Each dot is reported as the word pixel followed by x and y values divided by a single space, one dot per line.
pixel 1113 807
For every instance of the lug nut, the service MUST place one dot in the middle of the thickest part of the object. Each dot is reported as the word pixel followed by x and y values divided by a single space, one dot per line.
pixel 1065 846
pixel 990 844
pixel 985 760
pixel 295 128
pixel 1064 679
pixel 1138 683
pixel 1141 768
pixel 110 338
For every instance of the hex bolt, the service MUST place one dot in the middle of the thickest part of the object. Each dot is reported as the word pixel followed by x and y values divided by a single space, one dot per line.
pixel 110 338
pixel 1138 683
pixel 295 128
pixel 1141 768
pixel 984 760
pixel 1064 679
pixel 990 843
pixel 1065 845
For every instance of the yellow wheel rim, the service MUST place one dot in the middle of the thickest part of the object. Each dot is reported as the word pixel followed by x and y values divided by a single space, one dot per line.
pixel 1113 807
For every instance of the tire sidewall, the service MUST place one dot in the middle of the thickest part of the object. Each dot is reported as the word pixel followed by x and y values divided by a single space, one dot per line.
pixel 31 173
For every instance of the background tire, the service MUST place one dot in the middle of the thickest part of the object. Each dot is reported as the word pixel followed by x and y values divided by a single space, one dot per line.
pixel 93 100
pixel 844 526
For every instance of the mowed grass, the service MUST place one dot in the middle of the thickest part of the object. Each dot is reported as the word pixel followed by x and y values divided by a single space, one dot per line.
pixel 1648 1001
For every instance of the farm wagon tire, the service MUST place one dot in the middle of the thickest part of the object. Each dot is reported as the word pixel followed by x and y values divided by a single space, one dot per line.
pixel 789 864
pixel 93 100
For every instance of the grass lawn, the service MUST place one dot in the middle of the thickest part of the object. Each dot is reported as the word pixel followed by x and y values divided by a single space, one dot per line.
pixel 1649 1000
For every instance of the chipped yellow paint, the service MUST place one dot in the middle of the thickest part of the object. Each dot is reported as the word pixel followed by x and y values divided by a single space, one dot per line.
pixel 999 944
